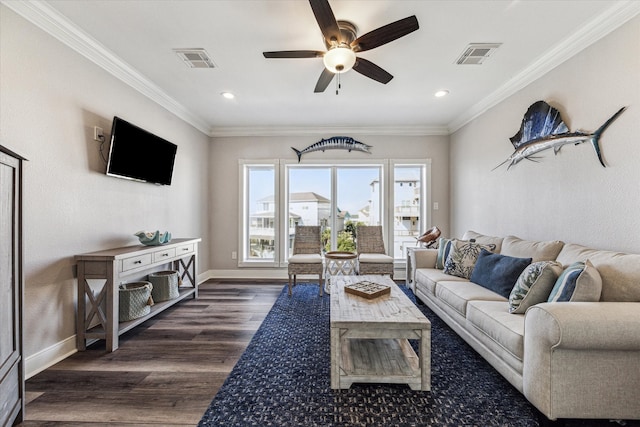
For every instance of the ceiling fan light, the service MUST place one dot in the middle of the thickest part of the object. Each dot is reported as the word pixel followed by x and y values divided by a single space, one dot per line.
pixel 340 59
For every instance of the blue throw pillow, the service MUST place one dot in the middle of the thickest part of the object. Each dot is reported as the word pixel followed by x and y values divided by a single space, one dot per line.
pixel 578 282
pixel 444 245
pixel 498 273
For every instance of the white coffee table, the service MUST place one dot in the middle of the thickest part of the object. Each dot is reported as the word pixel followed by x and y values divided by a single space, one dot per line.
pixel 369 338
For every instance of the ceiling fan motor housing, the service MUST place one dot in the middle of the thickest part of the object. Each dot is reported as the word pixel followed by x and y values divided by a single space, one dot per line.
pixel 348 30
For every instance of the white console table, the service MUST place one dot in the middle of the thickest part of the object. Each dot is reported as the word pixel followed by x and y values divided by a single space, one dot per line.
pixel 97 314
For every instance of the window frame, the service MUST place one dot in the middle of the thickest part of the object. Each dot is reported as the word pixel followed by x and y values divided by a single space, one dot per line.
pixel 425 201
pixel 281 195
pixel 333 165
pixel 245 210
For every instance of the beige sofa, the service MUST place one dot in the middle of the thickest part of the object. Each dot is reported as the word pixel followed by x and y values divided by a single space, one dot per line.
pixel 569 359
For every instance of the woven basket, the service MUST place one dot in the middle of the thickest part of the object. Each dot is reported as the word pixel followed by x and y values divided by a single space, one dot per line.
pixel 165 285
pixel 135 300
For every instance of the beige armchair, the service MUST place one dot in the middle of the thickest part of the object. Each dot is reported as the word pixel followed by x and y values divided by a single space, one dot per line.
pixel 372 256
pixel 306 256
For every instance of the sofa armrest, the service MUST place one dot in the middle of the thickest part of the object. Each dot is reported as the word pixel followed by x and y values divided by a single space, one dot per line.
pixel 582 360
pixel 425 258
pixel 585 325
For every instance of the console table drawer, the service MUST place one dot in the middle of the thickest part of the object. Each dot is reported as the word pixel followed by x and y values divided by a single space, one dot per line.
pixel 163 255
pixel 136 262
pixel 185 249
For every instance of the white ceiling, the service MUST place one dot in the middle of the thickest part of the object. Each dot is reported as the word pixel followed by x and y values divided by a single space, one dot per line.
pixel 135 40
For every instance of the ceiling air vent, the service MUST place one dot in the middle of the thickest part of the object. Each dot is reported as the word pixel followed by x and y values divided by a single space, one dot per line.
pixel 476 53
pixel 195 58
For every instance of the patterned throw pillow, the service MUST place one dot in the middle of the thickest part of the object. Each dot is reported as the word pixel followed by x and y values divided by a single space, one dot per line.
pixel 578 282
pixel 463 256
pixel 534 285
pixel 443 251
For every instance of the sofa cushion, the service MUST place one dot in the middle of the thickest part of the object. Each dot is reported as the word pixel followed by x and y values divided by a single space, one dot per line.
pixel 484 240
pixel 426 279
pixel 538 251
pixel 620 272
pixel 498 272
pixel 444 245
pixel 494 320
pixel 534 285
pixel 462 257
pixel 578 282
pixel 457 294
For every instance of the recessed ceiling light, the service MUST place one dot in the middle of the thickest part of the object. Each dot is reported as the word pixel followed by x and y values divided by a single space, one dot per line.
pixel 228 95
pixel 441 93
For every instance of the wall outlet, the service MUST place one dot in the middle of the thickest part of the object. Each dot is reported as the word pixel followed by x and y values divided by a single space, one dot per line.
pixel 436 206
pixel 98 134
pixel 234 255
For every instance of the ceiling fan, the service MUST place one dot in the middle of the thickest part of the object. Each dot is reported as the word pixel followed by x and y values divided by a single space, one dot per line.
pixel 342 45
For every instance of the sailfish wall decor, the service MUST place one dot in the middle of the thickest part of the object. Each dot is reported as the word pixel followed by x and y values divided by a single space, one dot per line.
pixel 543 128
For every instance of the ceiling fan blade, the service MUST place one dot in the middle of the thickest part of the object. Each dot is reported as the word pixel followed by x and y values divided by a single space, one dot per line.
pixel 326 20
pixel 385 34
pixel 371 70
pixel 294 54
pixel 323 81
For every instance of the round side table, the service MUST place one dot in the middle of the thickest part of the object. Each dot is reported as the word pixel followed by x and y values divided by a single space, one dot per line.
pixel 338 263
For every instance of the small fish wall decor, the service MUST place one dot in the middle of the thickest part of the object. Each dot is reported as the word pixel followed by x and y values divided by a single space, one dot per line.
pixel 543 128
pixel 334 143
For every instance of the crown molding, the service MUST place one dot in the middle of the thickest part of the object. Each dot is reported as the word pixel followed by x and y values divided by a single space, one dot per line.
pixel 220 132
pixel 589 33
pixel 51 21
pixel 57 25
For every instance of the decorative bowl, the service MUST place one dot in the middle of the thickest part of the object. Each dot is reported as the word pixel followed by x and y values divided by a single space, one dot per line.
pixel 153 238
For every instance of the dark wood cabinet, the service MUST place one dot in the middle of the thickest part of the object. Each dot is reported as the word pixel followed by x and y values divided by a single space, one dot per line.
pixel 11 289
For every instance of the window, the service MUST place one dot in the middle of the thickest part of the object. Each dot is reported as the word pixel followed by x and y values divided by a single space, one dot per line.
pixel 357 202
pixel 259 233
pixel 409 205
pixel 336 197
pixel 308 198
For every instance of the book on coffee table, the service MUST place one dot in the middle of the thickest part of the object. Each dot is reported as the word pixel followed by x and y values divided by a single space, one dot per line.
pixel 367 289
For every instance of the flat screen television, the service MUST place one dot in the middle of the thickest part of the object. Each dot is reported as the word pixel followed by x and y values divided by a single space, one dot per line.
pixel 139 155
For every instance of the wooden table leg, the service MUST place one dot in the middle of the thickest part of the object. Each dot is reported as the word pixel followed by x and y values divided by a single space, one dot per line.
pixel 425 359
pixel 336 353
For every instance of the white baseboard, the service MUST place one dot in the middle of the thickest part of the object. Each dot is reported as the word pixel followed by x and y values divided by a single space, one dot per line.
pixel 265 273
pixel 49 356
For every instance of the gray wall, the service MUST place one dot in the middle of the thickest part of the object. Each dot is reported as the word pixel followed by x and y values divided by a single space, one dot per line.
pixel 225 153
pixel 51 99
pixel 569 197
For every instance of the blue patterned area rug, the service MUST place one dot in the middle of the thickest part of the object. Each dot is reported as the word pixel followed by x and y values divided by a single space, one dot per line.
pixel 283 379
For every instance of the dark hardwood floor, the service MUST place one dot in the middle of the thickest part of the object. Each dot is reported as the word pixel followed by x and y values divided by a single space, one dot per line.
pixel 165 372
